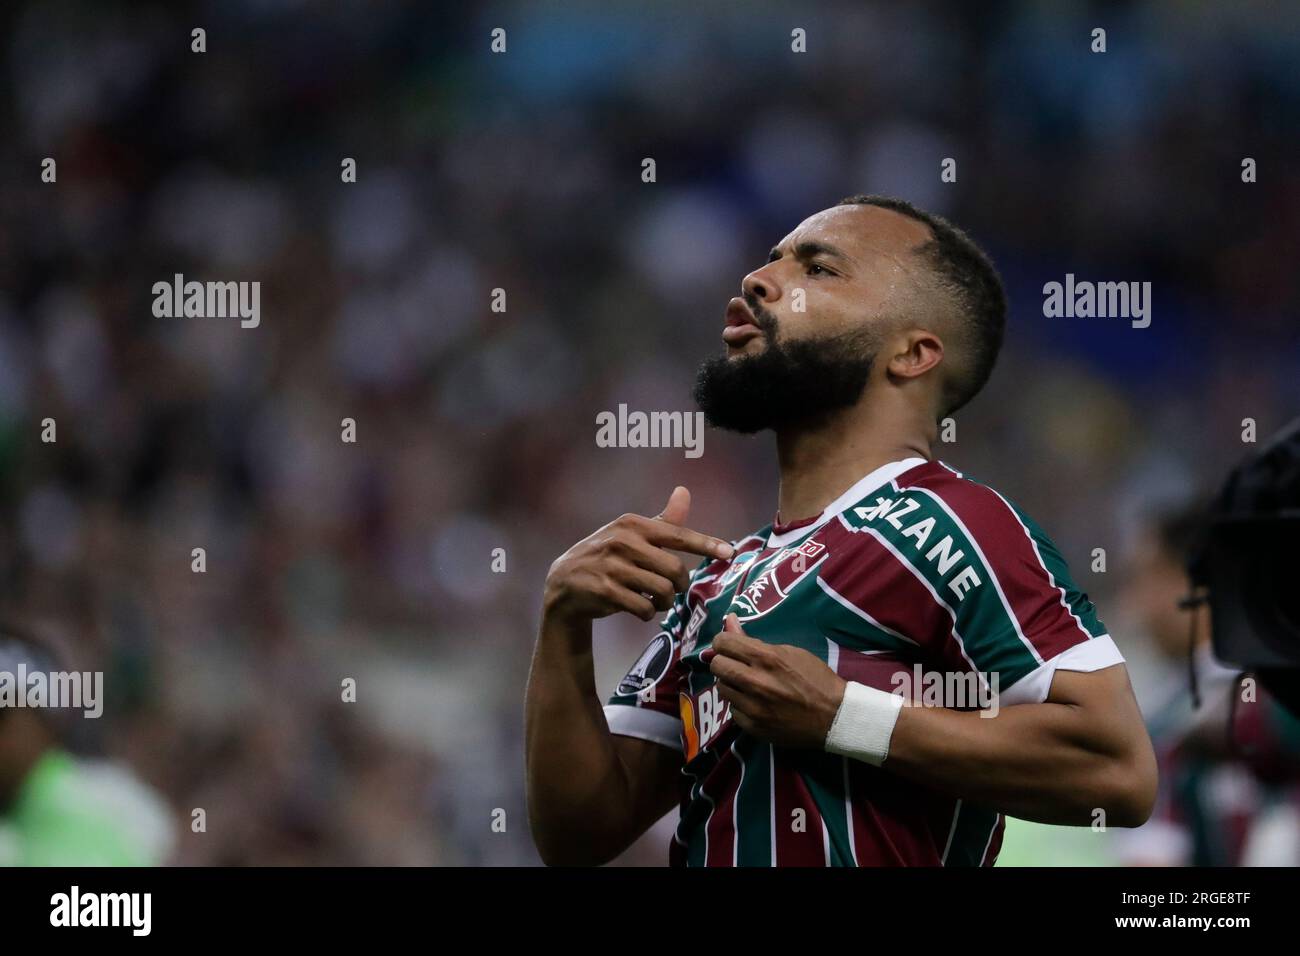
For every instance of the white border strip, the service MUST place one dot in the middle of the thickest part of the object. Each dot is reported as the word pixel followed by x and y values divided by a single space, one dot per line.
pixel 1094 654
pixel 644 724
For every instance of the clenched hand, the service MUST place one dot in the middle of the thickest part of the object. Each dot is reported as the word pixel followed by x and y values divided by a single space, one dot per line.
pixel 778 692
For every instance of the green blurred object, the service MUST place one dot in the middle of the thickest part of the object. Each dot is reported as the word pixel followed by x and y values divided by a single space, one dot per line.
pixel 74 812
pixel 1040 844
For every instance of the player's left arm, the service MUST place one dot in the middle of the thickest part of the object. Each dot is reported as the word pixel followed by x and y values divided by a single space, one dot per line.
pixel 1083 749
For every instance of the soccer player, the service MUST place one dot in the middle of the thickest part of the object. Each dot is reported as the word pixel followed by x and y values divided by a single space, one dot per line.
pixel 778 705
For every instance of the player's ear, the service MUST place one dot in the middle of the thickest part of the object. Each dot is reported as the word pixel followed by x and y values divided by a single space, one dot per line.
pixel 913 353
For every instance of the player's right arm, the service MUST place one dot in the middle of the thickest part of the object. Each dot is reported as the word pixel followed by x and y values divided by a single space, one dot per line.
pixel 591 793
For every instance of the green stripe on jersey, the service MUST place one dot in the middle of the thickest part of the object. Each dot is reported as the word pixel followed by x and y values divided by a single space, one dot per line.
pixel 853 631
pixel 830 804
pixel 970 836
pixel 754 803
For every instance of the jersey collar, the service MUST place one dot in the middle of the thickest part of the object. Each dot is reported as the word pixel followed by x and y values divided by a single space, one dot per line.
pixel 783 534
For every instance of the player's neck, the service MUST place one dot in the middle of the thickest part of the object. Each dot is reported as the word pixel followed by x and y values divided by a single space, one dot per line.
pixel 819 464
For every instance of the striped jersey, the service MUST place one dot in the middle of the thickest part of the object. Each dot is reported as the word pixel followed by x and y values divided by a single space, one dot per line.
pixel 914 571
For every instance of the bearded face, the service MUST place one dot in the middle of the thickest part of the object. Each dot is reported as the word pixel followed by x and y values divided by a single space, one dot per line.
pixel 788 382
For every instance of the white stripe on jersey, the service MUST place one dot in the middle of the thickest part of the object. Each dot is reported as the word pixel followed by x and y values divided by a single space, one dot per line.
pixel 735 806
pixel 956 815
pixel 771 782
pixel 826 839
pixel 996 820
pixel 848 811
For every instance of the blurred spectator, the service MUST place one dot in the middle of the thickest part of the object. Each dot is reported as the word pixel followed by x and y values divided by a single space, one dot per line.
pixel 60 810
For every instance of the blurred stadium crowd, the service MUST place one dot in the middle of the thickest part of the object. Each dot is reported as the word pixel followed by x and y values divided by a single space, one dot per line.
pixel 475 430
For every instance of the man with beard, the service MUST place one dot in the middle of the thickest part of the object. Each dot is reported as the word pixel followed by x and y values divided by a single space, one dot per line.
pixel 786 704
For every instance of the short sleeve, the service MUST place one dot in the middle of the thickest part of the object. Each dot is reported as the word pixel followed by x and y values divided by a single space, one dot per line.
pixel 1017 612
pixel 644 704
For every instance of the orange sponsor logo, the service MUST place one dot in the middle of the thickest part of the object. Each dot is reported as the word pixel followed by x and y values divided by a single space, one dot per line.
pixel 690 734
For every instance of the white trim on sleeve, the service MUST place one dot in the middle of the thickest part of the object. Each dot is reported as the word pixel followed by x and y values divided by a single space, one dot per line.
pixel 1090 655
pixel 644 724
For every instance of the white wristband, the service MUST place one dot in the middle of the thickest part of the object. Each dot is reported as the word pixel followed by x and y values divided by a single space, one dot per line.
pixel 864 723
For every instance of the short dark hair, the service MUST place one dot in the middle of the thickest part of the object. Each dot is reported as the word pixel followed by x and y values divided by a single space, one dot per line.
pixel 967 273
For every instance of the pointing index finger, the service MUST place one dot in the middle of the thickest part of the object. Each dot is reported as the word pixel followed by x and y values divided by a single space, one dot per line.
pixel 666 535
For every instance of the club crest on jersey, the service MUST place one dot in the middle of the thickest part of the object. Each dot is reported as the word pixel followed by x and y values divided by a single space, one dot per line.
pixel 778 579
pixel 739 565
pixel 649 668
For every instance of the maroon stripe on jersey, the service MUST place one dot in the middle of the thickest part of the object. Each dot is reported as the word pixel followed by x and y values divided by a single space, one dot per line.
pixel 881 671
pixel 920 472
pixel 724 781
pixel 866 573
pixel 1037 604
pixel 790 793
pixel 896 826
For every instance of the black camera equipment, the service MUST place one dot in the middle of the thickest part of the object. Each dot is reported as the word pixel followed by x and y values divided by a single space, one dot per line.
pixel 1249 562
